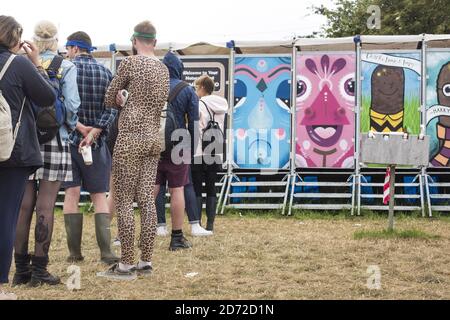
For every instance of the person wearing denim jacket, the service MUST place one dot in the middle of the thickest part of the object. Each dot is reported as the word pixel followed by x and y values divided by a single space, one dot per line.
pixel 56 170
pixel 69 90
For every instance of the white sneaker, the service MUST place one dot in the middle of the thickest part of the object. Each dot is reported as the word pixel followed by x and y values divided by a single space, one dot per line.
pixel 162 231
pixel 7 295
pixel 198 231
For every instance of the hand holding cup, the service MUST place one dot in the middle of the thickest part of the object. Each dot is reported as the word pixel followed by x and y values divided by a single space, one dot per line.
pixel 122 97
pixel 86 152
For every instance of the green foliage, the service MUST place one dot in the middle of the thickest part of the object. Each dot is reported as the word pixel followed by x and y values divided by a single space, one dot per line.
pixel 349 17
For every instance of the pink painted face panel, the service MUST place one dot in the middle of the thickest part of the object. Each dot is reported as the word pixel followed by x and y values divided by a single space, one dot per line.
pixel 325 117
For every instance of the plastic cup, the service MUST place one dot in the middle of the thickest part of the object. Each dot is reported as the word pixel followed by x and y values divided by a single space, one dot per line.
pixel 86 152
pixel 124 94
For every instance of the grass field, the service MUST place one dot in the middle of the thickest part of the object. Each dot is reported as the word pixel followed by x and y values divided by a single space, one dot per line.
pixel 268 256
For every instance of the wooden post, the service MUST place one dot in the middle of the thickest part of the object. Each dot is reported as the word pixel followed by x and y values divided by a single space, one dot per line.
pixel 391 200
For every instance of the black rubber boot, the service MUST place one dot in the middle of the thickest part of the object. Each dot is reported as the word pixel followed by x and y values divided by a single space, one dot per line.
pixel 39 274
pixel 103 234
pixel 178 242
pixel 74 231
pixel 23 269
pixel 199 208
pixel 211 207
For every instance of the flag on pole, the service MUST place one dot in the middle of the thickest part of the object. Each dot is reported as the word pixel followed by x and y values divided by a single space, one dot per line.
pixel 386 189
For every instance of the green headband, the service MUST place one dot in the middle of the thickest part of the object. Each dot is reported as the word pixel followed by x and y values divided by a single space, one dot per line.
pixel 143 35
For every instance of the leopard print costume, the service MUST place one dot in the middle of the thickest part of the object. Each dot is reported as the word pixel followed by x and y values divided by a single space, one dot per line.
pixel 137 150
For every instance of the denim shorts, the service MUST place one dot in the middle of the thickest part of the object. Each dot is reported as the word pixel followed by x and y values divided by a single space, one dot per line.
pixel 93 178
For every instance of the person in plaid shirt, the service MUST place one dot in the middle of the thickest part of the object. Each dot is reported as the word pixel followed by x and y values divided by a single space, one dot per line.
pixel 94 119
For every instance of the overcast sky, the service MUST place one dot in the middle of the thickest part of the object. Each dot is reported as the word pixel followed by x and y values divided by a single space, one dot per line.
pixel 176 20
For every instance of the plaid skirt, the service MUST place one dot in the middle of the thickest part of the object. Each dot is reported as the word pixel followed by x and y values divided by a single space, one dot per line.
pixel 57 164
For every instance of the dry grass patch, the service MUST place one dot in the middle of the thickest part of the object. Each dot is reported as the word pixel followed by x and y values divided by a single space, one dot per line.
pixel 271 258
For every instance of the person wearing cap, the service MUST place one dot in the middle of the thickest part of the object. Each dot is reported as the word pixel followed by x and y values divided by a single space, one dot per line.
pixel 57 168
pixel 94 119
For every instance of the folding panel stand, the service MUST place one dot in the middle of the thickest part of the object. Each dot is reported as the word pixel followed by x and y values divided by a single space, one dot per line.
pixel 356 180
pixel 419 180
pixel 427 178
pixel 228 177
pixel 320 195
pixel 430 183
pixel 423 178
pixel 293 174
pixel 233 179
pixel 298 181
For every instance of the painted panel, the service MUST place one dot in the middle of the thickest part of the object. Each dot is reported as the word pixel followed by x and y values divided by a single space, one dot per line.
pixel 325 121
pixel 391 92
pixel 261 114
pixel 438 107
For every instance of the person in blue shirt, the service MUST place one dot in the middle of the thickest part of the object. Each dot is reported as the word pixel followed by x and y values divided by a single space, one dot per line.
pixel 186 111
pixel 177 176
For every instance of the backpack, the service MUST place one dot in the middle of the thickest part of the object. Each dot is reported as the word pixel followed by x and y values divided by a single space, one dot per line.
pixel 169 123
pixel 7 134
pixel 50 118
pixel 212 132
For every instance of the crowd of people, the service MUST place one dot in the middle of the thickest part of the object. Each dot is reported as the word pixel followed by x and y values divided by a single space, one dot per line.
pixel 54 109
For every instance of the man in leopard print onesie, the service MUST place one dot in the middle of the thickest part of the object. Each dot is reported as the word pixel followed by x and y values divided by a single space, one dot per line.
pixel 137 150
